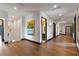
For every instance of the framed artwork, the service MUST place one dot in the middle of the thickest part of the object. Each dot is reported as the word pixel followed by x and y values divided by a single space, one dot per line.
pixel 30 24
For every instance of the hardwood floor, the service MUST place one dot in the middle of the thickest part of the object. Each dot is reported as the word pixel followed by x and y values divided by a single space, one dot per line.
pixel 59 46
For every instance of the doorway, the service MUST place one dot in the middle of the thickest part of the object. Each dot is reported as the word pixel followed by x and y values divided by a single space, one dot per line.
pixel 1 30
pixel 44 29
pixel 68 30
pixel 74 29
pixel 54 30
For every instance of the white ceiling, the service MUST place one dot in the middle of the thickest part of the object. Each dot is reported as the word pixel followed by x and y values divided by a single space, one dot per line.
pixel 66 9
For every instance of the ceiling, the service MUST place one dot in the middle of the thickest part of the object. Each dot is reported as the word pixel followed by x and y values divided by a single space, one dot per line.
pixel 65 9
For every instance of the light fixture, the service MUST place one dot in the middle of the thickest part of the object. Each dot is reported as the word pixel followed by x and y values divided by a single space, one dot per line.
pixel 60 14
pixel 14 8
pixel 50 23
pixel 43 41
pixel 13 40
pixel 55 6
pixel 43 19
pixel 12 16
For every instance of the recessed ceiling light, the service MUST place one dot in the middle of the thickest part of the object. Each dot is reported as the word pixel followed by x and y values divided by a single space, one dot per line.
pixel 12 16
pixel 43 19
pixel 13 40
pixel 60 14
pixel 55 6
pixel 14 8
pixel 50 23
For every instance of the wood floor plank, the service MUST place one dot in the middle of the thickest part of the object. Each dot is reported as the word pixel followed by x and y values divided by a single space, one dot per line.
pixel 54 47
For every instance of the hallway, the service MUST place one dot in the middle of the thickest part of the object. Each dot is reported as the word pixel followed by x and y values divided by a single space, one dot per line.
pixel 61 45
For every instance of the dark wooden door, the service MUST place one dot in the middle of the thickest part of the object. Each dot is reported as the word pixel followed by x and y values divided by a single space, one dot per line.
pixel 44 28
pixel 54 30
pixel 2 29
pixel 74 29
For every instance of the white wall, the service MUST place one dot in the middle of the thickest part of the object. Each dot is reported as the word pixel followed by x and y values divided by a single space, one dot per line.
pixel 18 22
pixel 23 27
pixel 49 29
pixel 77 33
pixel 27 18
pixel 16 29
pixel 62 27
pixel 77 28
pixel 36 16
pixel 57 29
pixel 37 26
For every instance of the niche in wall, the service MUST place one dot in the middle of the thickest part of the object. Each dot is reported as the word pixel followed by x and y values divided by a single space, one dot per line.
pixel 43 26
pixel 30 25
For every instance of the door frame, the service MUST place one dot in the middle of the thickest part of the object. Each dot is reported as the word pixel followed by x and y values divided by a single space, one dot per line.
pixel 74 28
pixel 66 29
pixel 2 21
pixel 77 28
pixel 54 29
pixel 45 29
